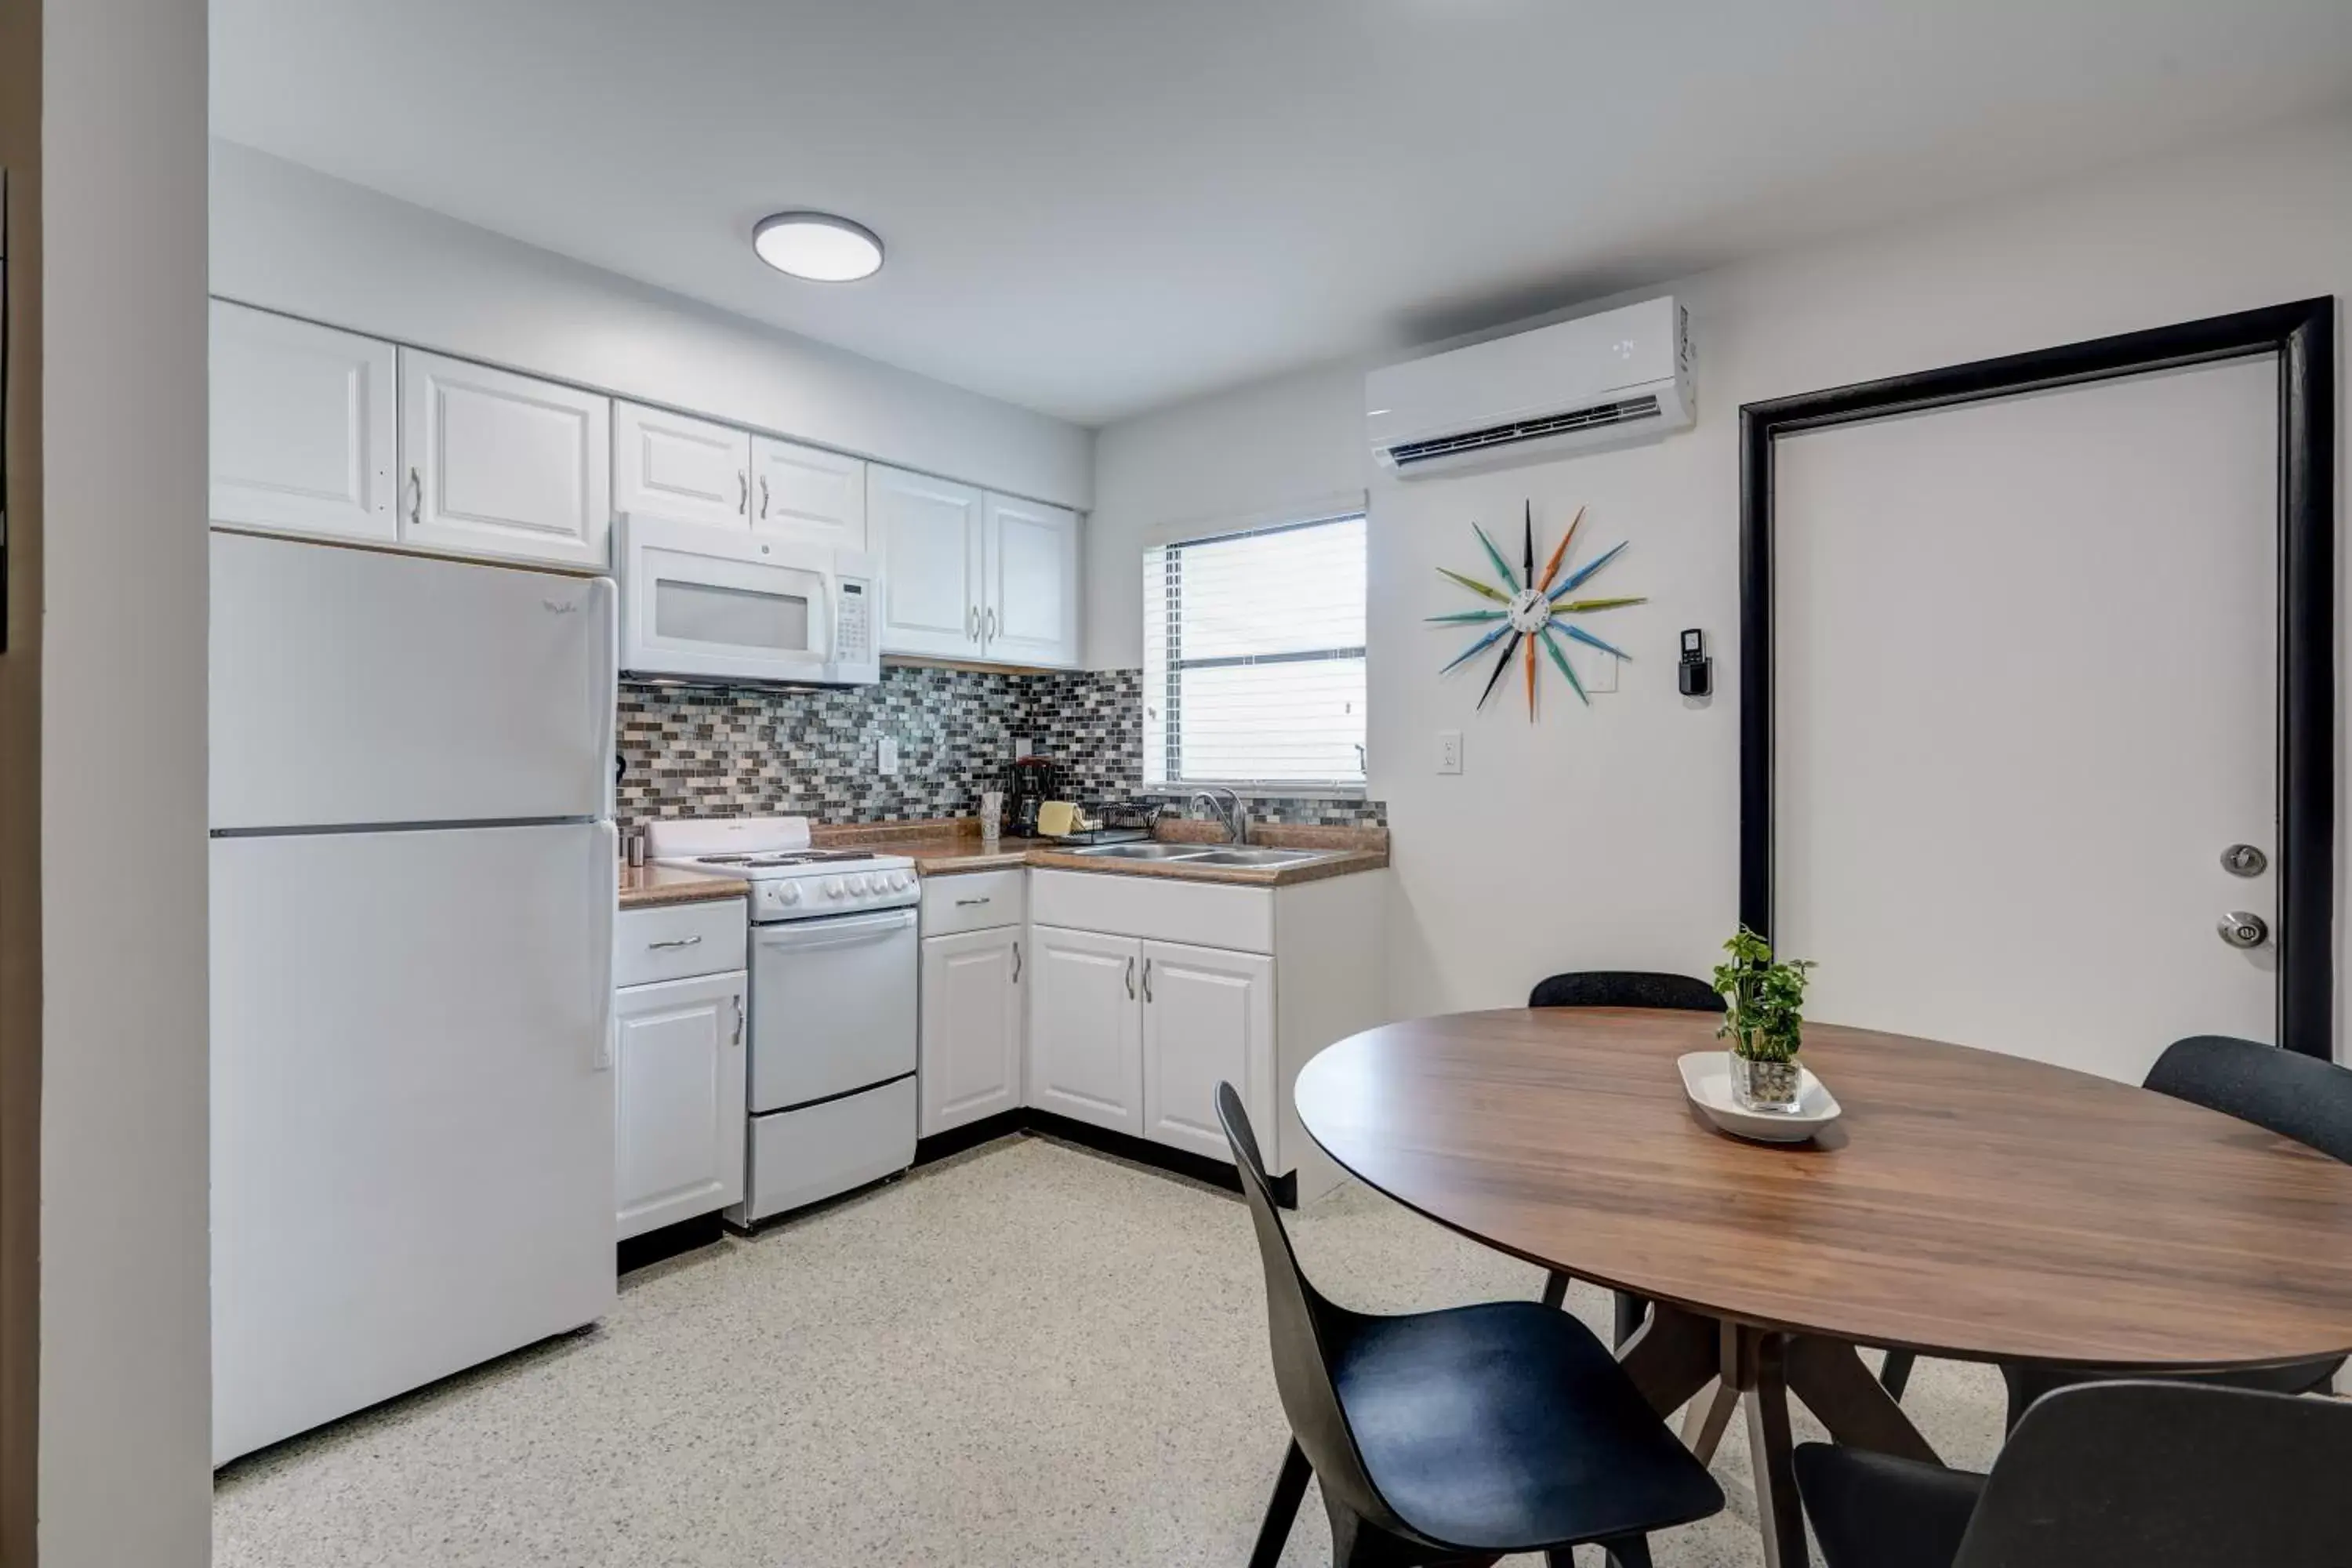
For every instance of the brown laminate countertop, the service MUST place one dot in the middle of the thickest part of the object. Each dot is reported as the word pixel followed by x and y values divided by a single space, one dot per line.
pixel 650 887
pixel 947 845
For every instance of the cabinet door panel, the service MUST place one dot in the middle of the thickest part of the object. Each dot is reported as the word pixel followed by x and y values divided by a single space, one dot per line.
pixel 502 465
pixel 1032 560
pixel 1208 1018
pixel 971 1027
pixel 679 1099
pixel 668 465
pixel 305 428
pixel 808 495
pixel 1086 1028
pixel 928 534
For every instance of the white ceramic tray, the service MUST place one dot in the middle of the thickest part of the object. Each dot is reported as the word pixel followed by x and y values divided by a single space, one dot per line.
pixel 1706 1078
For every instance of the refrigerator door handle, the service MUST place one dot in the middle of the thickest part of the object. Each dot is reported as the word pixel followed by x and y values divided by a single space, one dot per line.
pixel 605 845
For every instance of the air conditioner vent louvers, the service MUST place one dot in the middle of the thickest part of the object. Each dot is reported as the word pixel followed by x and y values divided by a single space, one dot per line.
pixel 1601 413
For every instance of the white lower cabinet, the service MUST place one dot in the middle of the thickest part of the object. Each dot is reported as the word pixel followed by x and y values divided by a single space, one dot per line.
pixel 973 990
pixel 1208 1019
pixel 1086 1028
pixel 679 1064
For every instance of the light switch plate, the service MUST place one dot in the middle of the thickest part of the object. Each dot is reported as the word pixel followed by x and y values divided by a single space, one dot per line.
pixel 1449 751
pixel 889 750
pixel 1596 670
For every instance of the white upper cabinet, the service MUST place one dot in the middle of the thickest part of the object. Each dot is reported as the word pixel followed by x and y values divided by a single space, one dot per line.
pixel 502 465
pixel 1030 613
pixel 305 425
pixel 808 495
pixel 690 471
pixel 926 533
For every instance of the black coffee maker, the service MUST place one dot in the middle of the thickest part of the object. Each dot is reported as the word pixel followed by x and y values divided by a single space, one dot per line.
pixel 1034 781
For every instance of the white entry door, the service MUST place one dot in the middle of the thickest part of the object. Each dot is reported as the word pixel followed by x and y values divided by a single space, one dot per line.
pixel 2025 696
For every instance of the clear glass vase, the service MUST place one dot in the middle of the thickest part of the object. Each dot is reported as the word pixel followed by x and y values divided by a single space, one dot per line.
pixel 1765 1085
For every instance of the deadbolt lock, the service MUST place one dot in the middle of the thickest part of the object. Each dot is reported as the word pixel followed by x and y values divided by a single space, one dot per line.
pixel 2244 860
pixel 2242 928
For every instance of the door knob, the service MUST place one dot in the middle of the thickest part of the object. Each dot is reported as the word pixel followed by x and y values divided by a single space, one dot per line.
pixel 2242 928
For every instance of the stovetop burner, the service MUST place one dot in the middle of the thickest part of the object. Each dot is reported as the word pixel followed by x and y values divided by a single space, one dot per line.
pixel 795 858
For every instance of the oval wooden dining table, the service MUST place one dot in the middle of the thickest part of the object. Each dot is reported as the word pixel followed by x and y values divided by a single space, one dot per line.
pixel 1967 1203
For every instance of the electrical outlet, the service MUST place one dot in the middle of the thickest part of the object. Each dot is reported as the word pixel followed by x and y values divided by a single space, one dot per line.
pixel 1449 751
pixel 1021 746
pixel 889 750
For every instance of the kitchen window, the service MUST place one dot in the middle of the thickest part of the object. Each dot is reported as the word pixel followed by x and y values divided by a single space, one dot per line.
pixel 1254 657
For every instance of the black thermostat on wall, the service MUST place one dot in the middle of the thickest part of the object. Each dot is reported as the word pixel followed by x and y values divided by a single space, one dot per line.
pixel 1696 674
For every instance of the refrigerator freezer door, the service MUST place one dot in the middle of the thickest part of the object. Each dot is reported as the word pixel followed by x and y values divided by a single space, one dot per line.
pixel 351 688
pixel 411 1111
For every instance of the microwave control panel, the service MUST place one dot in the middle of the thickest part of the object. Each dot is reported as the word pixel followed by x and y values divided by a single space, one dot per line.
pixel 854 643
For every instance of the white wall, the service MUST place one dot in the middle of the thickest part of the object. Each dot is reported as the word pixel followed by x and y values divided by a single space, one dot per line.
pixel 292 239
pixel 1609 836
pixel 125 1472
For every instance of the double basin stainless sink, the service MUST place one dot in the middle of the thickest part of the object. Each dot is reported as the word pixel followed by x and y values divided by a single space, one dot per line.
pixel 1205 853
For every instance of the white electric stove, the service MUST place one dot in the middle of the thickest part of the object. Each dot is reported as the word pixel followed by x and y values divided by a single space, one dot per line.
pixel 833 974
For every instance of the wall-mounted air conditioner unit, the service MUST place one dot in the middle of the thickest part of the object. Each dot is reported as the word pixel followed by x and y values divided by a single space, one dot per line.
pixel 1607 380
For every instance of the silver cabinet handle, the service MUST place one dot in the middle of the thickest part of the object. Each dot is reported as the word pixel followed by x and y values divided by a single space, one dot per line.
pixel 1147 979
pixel 1131 978
pixel 415 497
pixel 968 903
pixel 742 492
pixel 1016 963
pixel 990 621
pixel 763 495
pixel 675 942
pixel 972 623
pixel 739 1019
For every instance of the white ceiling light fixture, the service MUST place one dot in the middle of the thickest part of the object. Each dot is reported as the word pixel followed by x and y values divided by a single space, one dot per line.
pixel 818 247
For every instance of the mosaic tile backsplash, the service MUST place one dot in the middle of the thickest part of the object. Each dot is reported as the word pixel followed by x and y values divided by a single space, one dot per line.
pixel 701 752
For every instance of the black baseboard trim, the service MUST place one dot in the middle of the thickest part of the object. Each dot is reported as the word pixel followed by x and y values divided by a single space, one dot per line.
pixel 1124 1146
pixel 657 1246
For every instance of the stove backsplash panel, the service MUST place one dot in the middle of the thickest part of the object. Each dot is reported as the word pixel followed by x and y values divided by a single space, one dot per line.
pixel 706 752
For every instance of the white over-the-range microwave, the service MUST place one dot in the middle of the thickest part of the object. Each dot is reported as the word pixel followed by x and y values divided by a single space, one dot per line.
pixel 707 604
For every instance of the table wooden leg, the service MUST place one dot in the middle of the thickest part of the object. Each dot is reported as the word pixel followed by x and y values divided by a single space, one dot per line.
pixel 1771 1450
pixel 1672 1358
pixel 1836 1384
pixel 1709 1414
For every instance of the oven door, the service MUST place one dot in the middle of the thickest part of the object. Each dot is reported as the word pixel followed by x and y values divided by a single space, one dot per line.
pixel 832 1006
pixel 700 603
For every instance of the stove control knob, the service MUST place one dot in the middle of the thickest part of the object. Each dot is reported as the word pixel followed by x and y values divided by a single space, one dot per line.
pixel 789 893
pixel 898 883
pixel 858 887
pixel 833 886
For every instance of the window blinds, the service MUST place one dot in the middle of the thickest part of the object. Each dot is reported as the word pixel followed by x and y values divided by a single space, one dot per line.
pixel 1254 657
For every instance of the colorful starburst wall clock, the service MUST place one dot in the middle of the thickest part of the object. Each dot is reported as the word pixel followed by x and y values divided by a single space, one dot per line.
pixel 1526 610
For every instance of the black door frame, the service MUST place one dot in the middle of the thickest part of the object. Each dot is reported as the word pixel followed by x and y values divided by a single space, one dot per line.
pixel 2303 336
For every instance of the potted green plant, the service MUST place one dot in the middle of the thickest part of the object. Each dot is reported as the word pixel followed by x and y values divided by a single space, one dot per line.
pixel 1764 1024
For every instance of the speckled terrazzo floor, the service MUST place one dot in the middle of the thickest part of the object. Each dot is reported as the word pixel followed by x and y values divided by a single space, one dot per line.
pixel 1026 1355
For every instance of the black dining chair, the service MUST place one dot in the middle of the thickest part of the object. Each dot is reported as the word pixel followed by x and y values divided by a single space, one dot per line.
pixel 1458 1436
pixel 2285 1092
pixel 2113 1475
pixel 1619 988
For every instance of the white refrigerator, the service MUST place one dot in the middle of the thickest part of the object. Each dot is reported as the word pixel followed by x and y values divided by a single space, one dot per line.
pixel 412 937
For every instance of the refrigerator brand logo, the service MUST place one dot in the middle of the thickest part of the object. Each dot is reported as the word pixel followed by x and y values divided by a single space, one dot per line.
pixel 560 606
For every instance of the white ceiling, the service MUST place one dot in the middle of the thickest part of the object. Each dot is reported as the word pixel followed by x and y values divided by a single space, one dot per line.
pixel 1098 206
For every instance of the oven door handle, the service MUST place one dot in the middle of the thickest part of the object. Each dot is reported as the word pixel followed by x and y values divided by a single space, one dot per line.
pixel 810 936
